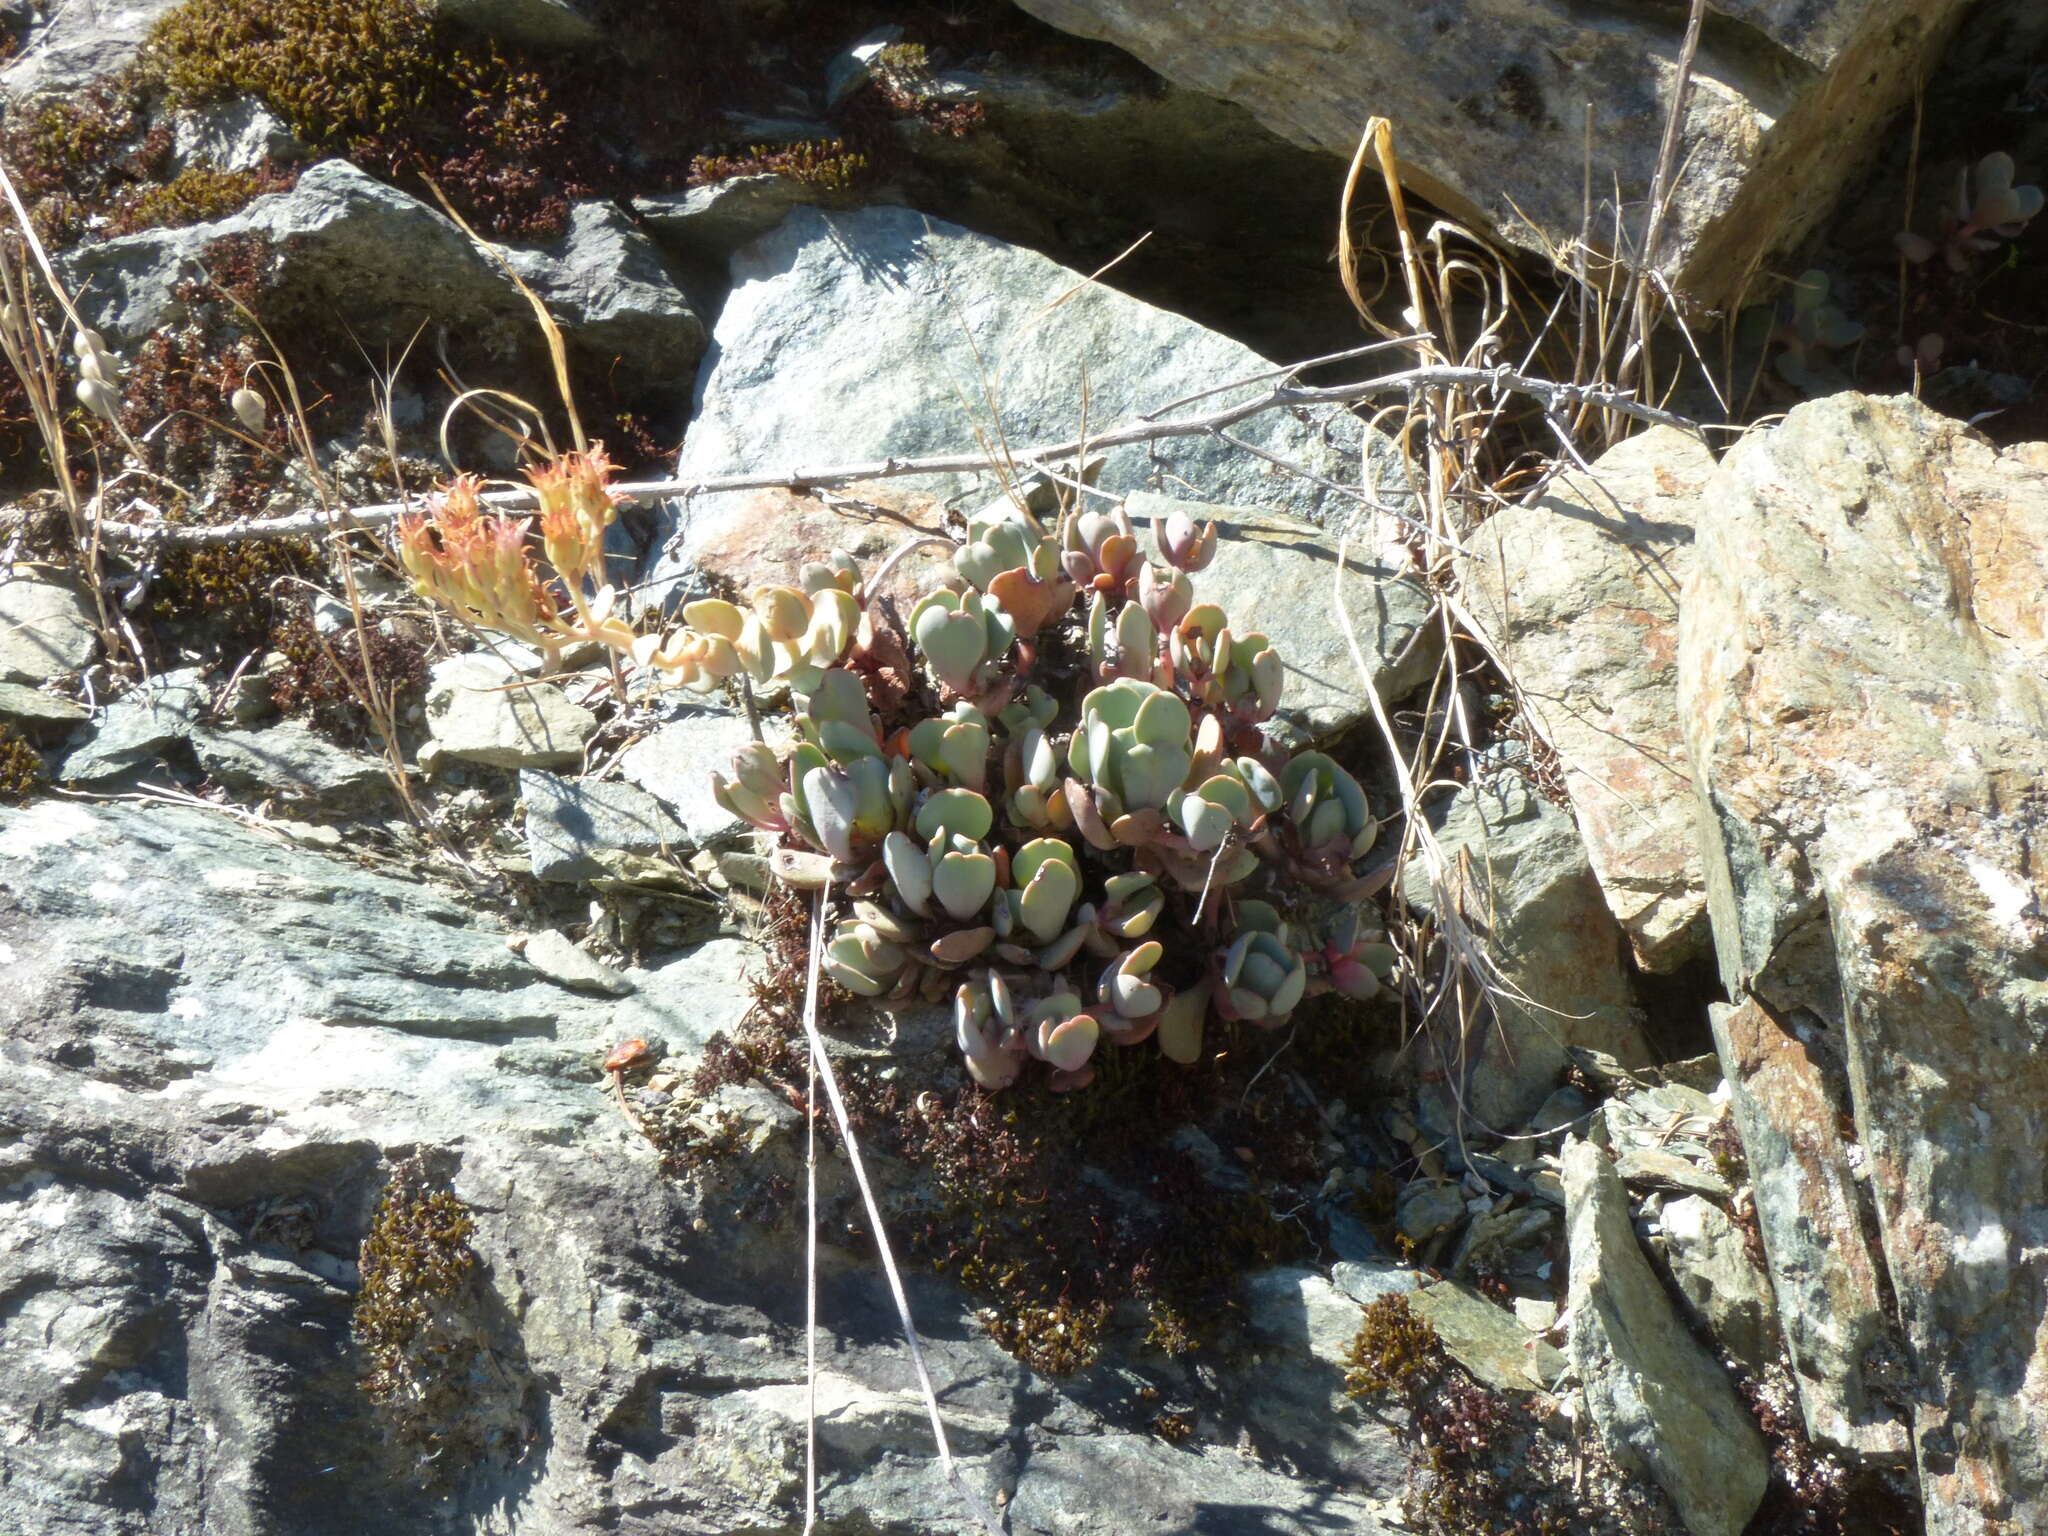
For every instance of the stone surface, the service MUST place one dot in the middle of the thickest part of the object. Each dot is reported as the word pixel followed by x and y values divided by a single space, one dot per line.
pixel 1488 102
pixel 1818 1235
pixel 1275 576
pixel 1726 1289
pixel 78 41
pixel 555 956
pixel 291 760
pixel 46 630
pixel 674 763
pixel 1662 1404
pixel 1869 584
pixel 853 337
pixel 1577 594
pixel 606 285
pixel 1557 949
pixel 573 826
pixel 533 23
pixel 1488 1340
pixel 18 701
pixel 239 135
pixel 136 728
pixel 218 1044
pixel 711 222
pixel 1302 1316
pixel 480 710
pixel 384 261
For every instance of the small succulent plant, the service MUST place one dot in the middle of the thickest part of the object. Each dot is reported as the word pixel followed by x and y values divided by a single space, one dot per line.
pixel 1065 811
pixel 1815 331
pixel 1988 210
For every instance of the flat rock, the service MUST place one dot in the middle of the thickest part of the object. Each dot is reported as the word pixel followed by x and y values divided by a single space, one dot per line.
pixel 711 222
pixel 238 135
pixel 555 956
pixel 482 711
pixel 1489 98
pixel 1488 1340
pixel 1559 953
pixel 882 333
pixel 136 728
pixel 18 701
pixel 1868 585
pixel 46 630
pixel 291 760
pixel 1577 593
pixel 1276 575
pixel 1662 1404
pixel 574 826
pixel 674 763
pixel 79 42
pixel 533 23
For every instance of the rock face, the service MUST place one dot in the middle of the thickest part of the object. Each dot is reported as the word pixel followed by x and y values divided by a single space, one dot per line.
pixel 1558 952
pixel 1488 101
pixel 217 1045
pixel 1577 593
pixel 850 337
pixel 1662 1403
pixel 1861 654
pixel 481 710
pixel 77 43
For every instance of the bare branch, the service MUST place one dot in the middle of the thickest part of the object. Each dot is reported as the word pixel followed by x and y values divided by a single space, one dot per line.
pixel 1139 430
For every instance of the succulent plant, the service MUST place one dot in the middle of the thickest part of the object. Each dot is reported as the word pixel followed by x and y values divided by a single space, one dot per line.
pixel 1070 816
pixel 1988 210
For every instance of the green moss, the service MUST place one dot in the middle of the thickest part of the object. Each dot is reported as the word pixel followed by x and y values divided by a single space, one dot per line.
pixel 194 196
pixel 1394 1347
pixel 22 772
pixel 829 167
pixel 413 1316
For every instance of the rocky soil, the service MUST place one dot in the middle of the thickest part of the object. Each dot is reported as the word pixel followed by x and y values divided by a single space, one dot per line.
pixel 1690 1176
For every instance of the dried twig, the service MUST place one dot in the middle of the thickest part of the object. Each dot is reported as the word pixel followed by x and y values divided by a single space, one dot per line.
pixel 1552 393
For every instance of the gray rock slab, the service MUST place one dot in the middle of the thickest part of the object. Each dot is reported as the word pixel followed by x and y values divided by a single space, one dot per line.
pixel 854 337
pixel 1276 575
pixel 709 223
pixel 136 728
pixel 239 135
pixel 46 630
pixel 674 763
pixel 482 711
pixel 79 41
pixel 1488 1340
pixel 1309 1324
pixel 1662 1404
pixel 1546 929
pixel 18 701
pixel 292 760
pixel 1490 129
pixel 573 824
pixel 385 260
pixel 605 282
pixel 1577 594
pixel 557 957
pixel 1365 1283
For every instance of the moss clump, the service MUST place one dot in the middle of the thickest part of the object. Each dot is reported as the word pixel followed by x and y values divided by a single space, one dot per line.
pixel 1393 1347
pixel 415 1315
pixel 194 196
pixel 827 167
pixel 22 772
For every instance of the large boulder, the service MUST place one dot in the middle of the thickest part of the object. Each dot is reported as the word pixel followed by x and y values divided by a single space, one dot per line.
pixel 1862 657
pixel 1492 102
pixel 882 333
pixel 1577 593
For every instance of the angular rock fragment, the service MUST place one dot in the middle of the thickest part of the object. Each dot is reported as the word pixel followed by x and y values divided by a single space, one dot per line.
pixel 481 710
pixel 1663 1405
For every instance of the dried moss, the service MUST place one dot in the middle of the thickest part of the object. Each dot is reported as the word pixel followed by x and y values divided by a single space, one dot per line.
pixel 827 166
